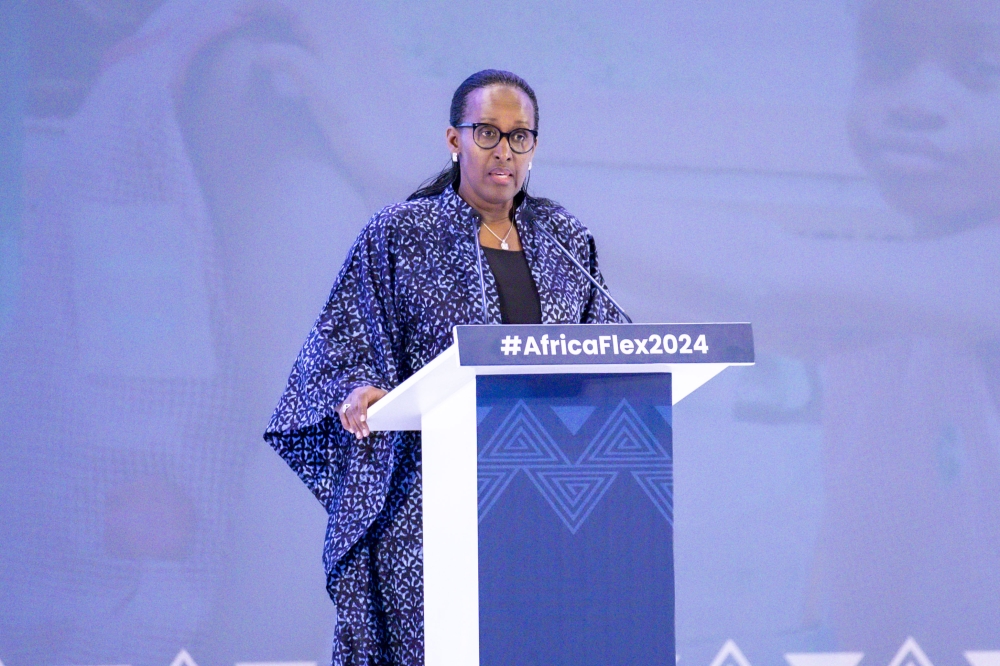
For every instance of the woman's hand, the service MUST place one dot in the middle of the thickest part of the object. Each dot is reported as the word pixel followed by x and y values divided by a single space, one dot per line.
pixel 354 410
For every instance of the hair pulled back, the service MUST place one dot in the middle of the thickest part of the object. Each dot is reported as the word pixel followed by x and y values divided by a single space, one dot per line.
pixel 451 175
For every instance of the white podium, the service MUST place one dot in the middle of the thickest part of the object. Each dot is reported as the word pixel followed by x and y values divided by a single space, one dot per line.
pixel 441 401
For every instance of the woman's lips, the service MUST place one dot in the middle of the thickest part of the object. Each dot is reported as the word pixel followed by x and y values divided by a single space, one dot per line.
pixel 501 176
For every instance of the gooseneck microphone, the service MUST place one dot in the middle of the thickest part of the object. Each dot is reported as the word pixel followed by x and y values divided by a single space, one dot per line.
pixel 529 215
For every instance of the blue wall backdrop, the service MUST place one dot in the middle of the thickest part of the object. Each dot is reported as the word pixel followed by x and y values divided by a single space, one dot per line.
pixel 182 180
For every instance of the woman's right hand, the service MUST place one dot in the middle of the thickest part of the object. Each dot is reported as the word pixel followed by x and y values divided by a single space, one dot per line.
pixel 353 411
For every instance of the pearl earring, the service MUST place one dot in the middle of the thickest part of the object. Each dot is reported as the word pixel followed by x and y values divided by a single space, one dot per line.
pixel 454 157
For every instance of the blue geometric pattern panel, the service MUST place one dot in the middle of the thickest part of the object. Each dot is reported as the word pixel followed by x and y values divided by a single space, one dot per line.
pixel 522 442
pixel 575 520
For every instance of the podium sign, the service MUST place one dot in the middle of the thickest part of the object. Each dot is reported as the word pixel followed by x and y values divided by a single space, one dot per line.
pixel 548 487
pixel 605 344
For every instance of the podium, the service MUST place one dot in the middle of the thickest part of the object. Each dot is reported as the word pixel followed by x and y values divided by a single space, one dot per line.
pixel 547 468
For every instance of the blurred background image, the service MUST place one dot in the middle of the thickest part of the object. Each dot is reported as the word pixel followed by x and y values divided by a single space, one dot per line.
pixel 182 181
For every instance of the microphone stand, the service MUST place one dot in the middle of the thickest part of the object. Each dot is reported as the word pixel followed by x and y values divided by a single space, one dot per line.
pixel 529 215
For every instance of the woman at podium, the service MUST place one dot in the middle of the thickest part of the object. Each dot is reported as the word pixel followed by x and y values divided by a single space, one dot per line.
pixel 471 246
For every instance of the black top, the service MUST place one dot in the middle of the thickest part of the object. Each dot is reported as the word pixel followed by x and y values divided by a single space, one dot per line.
pixel 519 303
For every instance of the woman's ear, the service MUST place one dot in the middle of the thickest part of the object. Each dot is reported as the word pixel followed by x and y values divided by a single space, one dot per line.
pixel 452 140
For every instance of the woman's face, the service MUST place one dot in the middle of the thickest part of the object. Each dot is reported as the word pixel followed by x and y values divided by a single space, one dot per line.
pixel 491 177
pixel 925 117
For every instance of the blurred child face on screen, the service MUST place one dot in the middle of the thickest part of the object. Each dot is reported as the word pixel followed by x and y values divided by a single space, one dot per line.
pixel 925 115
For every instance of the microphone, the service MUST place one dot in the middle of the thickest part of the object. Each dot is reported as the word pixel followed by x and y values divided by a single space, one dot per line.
pixel 529 215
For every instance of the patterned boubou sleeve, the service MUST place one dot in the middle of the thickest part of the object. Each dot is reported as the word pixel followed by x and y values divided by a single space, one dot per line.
pixel 352 344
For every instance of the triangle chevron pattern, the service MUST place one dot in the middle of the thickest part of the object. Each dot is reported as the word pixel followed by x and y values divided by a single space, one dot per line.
pixel 659 486
pixel 624 440
pixel 910 654
pixel 983 657
pixel 730 655
pixel 521 440
pixel 824 658
pixel 573 416
pixel 572 493
pixel 492 483
pixel 183 659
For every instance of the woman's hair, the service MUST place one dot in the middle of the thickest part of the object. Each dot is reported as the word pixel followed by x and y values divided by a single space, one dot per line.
pixel 451 175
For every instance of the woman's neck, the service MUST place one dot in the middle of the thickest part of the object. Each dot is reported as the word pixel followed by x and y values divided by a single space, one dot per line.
pixel 491 214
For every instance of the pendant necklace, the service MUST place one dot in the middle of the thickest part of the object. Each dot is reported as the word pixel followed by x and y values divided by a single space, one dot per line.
pixel 503 241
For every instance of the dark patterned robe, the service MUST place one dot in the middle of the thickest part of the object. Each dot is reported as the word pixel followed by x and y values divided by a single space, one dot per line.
pixel 414 273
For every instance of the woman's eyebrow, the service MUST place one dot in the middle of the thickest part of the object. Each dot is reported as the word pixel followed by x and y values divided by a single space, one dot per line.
pixel 516 125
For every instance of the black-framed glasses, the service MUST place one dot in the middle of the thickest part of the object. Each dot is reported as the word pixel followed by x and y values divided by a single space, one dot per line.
pixel 487 137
